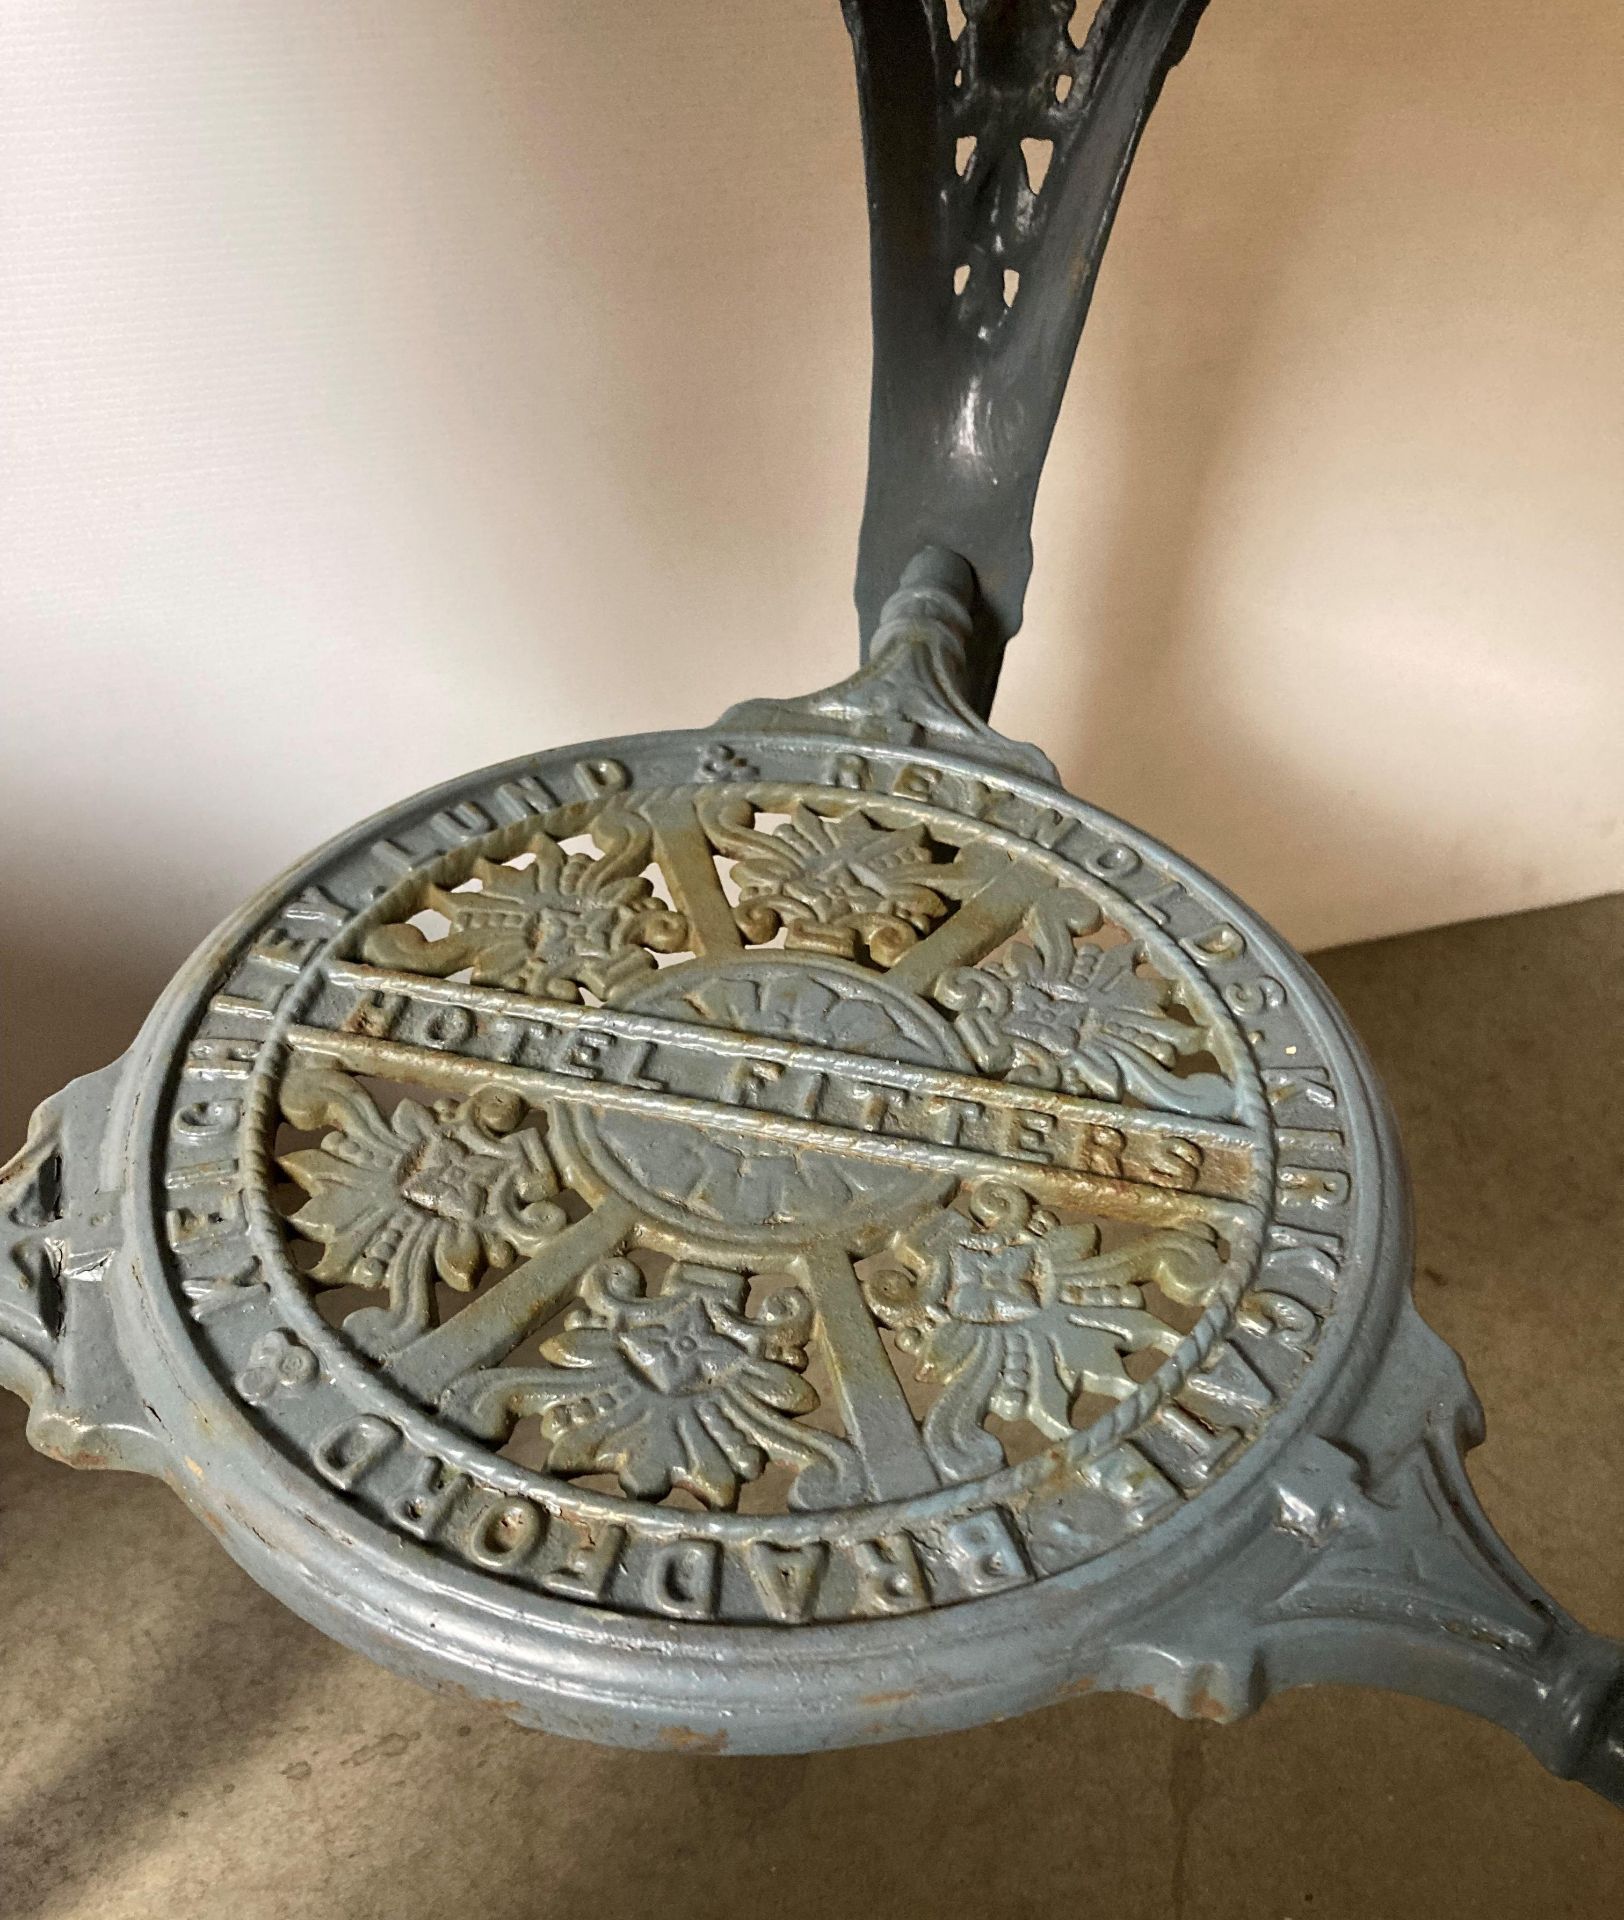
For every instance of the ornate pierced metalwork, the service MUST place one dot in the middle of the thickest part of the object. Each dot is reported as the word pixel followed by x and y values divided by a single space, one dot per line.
pixel 628 1214
pixel 817 1080
pixel 1054 1012
pixel 556 923
pixel 997 137
pixel 443 1194
pixel 841 886
pixel 1019 1316
pixel 672 1389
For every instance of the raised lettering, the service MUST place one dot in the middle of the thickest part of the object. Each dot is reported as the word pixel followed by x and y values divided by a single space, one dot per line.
pixel 1219 943
pixel 1228 1390
pixel 1186 1449
pixel 423 1505
pixel 1171 1162
pixel 276 947
pixel 587 1562
pixel 229 1004
pixel 1114 862
pixel 1133 1483
pixel 1312 1084
pixel 977 1554
pixel 399 860
pixel 888 1575
pixel 1155 905
pixel 188 1227
pixel 786 1579
pixel 681 1578
pixel 350 1451
pixel 316 905
pixel 460 821
pixel 207 1119
pixel 1252 997
pixel 1321 1189
pixel 211 1173
pixel 447 1026
pixel 211 1059
pixel 209 1294
pixel 1308 1141
pixel 522 797
pixel 502 1533
pixel 375 1013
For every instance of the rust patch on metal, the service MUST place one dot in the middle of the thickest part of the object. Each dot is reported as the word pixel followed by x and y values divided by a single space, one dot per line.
pixel 75 1457
pixel 691 1740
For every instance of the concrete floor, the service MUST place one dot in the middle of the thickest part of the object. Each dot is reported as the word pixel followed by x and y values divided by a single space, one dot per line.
pixel 176 1744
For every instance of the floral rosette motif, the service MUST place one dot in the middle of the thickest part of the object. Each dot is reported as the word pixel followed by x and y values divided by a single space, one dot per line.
pixel 443 1193
pixel 1010 1313
pixel 564 923
pixel 671 1388
pixel 1057 1012
pixel 841 885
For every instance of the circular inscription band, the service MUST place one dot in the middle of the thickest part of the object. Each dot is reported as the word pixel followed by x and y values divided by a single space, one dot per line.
pixel 848 1188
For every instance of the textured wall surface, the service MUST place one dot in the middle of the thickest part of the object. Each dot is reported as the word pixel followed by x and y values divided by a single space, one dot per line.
pixel 391 386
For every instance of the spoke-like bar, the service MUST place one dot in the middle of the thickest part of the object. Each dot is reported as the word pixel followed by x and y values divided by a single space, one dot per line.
pixel 487 1330
pixel 872 1403
pixel 728 1044
pixel 982 921
pixel 1109 1198
pixel 684 856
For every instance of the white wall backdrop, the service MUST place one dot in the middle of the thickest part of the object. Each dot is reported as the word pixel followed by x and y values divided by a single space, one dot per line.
pixel 390 386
